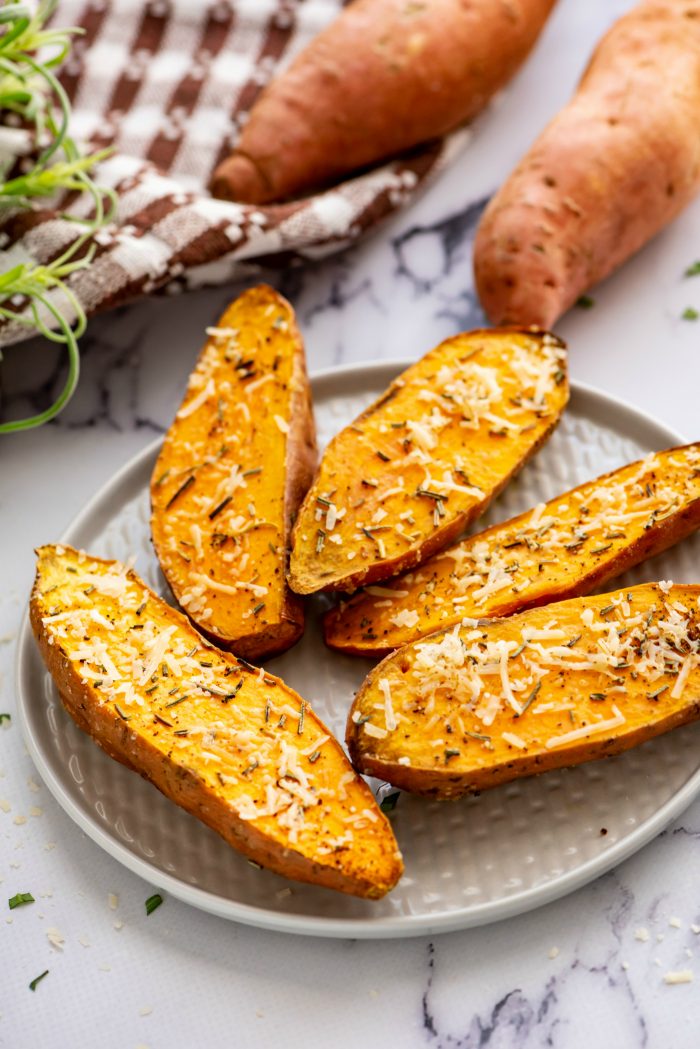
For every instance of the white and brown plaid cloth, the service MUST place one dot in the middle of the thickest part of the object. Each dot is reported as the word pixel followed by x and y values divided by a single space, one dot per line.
pixel 167 84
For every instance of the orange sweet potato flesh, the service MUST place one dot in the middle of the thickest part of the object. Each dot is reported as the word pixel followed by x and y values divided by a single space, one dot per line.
pixel 234 467
pixel 235 747
pixel 385 76
pixel 566 548
pixel 473 707
pixel 612 169
pixel 427 458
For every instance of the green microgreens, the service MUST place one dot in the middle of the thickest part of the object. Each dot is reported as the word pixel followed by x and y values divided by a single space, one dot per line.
pixel 29 89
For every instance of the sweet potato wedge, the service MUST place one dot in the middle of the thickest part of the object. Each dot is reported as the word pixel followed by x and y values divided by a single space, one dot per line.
pixel 385 76
pixel 612 169
pixel 427 458
pixel 561 549
pixel 234 467
pixel 230 744
pixel 479 705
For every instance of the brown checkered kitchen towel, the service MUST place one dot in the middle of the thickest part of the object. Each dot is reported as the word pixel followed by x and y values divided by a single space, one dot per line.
pixel 168 83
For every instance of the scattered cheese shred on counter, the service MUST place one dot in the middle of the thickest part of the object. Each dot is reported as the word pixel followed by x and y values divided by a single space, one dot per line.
pixel 680 976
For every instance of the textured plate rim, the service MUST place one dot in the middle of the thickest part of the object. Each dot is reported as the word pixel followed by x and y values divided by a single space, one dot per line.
pixel 591 402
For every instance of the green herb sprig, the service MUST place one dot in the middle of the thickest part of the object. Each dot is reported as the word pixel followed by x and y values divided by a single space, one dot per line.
pixel 29 89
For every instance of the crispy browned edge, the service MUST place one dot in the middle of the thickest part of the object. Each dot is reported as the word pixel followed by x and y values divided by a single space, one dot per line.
pixel 448 786
pixel 659 537
pixel 180 785
pixel 302 457
pixel 442 537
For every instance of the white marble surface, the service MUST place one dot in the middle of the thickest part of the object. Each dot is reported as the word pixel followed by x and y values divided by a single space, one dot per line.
pixel 207 981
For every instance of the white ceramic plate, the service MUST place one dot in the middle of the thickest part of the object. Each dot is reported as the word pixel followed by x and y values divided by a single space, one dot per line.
pixel 467 862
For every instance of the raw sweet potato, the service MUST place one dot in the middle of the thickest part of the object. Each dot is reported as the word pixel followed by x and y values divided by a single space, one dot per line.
pixel 479 705
pixel 233 746
pixel 385 76
pixel 234 467
pixel 427 458
pixel 618 163
pixel 561 549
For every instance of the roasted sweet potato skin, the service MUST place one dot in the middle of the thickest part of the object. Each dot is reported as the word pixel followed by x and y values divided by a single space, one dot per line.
pixel 612 169
pixel 243 438
pixel 595 676
pixel 385 76
pixel 426 458
pixel 571 546
pixel 170 729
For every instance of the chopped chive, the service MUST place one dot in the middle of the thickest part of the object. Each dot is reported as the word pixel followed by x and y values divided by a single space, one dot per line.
pixel 559 377
pixel 192 651
pixel 163 477
pixel 323 501
pixel 388 804
pixel 175 702
pixel 258 608
pixel 363 720
pixel 222 506
pixel 482 738
pixel 246 665
pixel 267 711
pixel 428 494
pixel 121 713
pixel 608 608
pixel 251 768
pixel 383 457
pixel 300 726
pixel 530 699
pixel 314 757
pixel 35 981
pixel 181 732
pixel 451 754
pixel 600 549
pixel 20 899
pixel 320 540
pixel 153 902
pixel 272 548
pixel 73 571
pixel 282 721
pixel 162 721
pixel 518 650
pixel 236 690
pixel 653 695
pixel 251 473
pixel 598 697
pixel 690 314
pixel 509 546
pixel 148 691
pixel 585 302
pixel 574 640
pixel 183 488
pixel 5 717
pixel 692 270
pixel 213 691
